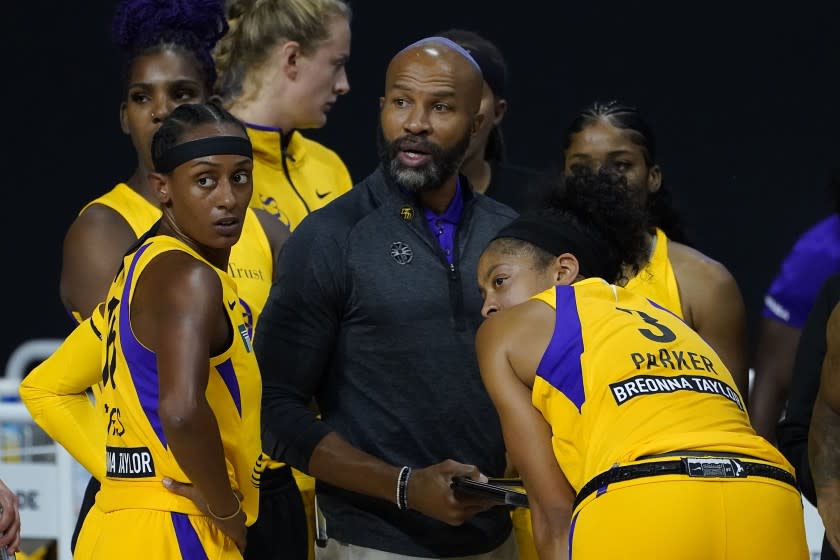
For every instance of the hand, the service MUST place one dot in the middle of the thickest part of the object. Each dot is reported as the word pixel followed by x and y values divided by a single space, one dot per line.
pixel 233 528
pixel 9 519
pixel 429 492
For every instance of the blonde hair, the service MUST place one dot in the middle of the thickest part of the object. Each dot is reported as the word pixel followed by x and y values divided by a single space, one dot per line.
pixel 256 26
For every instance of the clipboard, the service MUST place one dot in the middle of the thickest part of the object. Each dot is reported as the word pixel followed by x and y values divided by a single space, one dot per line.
pixel 503 491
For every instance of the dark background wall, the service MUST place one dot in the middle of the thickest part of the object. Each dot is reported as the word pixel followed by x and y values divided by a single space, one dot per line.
pixel 743 98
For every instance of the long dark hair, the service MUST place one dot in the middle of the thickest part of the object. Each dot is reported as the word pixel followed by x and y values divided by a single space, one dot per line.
pixel 660 205
pixel 591 215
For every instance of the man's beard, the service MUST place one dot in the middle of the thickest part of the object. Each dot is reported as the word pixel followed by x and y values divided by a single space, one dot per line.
pixel 442 165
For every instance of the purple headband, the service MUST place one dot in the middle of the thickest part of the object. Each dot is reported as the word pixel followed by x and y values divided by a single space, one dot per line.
pixel 449 43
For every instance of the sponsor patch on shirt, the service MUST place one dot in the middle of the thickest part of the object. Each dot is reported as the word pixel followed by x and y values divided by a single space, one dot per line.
pixel 246 337
pixel 129 462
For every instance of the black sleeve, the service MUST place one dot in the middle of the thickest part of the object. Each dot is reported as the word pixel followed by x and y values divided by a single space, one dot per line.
pixel 294 342
pixel 792 431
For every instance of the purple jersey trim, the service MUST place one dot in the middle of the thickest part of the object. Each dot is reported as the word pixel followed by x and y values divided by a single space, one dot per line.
pixel 572 533
pixel 142 362
pixel 560 365
pixel 225 370
pixel 263 127
pixel 665 309
pixel 188 542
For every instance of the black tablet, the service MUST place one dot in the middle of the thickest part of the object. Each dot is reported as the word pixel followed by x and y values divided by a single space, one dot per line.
pixel 508 492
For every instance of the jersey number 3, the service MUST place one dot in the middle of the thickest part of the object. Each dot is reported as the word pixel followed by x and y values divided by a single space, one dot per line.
pixel 663 334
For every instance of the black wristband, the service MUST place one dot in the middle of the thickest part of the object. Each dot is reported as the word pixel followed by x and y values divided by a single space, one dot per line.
pixel 402 488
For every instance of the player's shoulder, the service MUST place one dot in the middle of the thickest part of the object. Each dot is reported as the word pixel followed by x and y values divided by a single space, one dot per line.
pixel 180 274
pixel 689 263
pixel 508 327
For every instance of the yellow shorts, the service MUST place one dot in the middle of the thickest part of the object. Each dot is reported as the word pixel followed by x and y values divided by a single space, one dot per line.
pixel 524 532
pixel 673 516
pixel 139 534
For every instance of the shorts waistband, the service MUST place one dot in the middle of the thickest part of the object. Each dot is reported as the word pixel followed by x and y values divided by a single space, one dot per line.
pixel 151 495
pixel 707 466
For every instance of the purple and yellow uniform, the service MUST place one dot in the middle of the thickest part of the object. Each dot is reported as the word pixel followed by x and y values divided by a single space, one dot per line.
pixel 133 504
pixel 624 381
pixel 135 516
pixel 251 263
pixel 657 280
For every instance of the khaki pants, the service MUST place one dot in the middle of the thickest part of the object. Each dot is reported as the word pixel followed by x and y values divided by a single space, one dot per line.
pixel 339 551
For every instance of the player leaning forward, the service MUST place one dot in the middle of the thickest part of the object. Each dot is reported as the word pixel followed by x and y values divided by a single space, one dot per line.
pixel 626 427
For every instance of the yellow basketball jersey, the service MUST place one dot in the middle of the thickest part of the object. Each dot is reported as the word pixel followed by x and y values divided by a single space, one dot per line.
pixel 251 263
pixel 307 178
pixel 623 378
pixel 657 280
pixel 137 456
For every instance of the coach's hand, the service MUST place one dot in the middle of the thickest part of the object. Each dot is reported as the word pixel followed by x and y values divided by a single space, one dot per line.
pixel 429 491
pixel 233 528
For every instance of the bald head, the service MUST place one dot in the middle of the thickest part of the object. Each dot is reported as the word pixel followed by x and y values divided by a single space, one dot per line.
pixel 440 60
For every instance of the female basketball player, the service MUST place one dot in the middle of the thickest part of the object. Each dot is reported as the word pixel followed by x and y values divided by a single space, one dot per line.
pixel 167 62
pixel 282 68
pixel 626 427
pixel 180 385
pixel 687 282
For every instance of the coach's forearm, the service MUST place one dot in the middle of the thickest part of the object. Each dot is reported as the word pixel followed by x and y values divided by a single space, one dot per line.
pixel 338 463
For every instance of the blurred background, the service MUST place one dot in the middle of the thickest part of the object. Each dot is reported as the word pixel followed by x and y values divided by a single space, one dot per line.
pixel 742 97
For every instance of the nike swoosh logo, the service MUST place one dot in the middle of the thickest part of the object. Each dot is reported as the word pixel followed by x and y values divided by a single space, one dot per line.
pixel 232 304
pixel 319 195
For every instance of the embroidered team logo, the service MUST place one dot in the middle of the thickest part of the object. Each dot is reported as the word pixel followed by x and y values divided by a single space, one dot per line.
pixel 401 252
pixel 407 213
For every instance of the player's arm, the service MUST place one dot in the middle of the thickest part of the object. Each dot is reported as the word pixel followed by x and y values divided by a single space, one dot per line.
pixel 775 354
pixel 93 250
pixel 527 438
pixel 715 309
pixel 277 233
pixel 824 435
pixel 178 313
pixel 54 394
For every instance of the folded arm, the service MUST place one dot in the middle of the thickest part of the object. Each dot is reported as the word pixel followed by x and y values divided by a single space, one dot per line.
pixel 55 394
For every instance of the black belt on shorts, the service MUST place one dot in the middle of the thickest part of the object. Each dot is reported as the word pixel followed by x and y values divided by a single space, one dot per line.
pixel 699 467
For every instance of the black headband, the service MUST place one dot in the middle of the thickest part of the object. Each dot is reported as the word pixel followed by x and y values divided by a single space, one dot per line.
pixel 556 239
pixel 215 145
pixel 493 72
